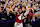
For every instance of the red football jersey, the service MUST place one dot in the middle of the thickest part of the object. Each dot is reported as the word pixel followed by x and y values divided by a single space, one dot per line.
pixel 17 20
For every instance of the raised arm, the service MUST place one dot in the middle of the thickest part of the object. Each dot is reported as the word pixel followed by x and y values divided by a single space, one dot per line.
pixel 24 17
pixel 37 14
pixel 6 3
pixel 27 11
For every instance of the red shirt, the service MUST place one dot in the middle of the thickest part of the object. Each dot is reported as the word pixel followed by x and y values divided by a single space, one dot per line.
pixel 17 20
pixel 29 15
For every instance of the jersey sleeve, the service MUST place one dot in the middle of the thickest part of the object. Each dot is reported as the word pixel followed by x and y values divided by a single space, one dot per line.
pixel 26 13
pixel 19 17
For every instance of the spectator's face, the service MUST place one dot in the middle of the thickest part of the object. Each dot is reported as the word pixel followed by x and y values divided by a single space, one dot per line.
pixel 23 9
pixel 16 9
pixel 37 7
pixel 18 6
pixel 10 3
pixel 20 10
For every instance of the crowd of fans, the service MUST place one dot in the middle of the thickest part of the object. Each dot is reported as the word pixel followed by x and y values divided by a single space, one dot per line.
pixel 9 9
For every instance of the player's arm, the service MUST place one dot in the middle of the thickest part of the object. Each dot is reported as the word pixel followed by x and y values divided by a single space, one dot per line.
pixel 24 17
pixel 20 17
pixel 26 13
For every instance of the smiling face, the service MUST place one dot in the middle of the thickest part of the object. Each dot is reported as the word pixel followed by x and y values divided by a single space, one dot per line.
pixel 16 9
pixel 23 9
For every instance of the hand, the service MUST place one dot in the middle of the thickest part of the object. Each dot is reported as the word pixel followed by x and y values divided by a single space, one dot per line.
pixel 28 8
pixel 33 18
pixel 21 14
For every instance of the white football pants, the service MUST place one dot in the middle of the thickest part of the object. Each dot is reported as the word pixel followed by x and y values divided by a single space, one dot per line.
pixel 18 24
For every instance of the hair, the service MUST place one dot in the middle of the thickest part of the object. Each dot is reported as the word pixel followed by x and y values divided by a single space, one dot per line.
pixel 23 7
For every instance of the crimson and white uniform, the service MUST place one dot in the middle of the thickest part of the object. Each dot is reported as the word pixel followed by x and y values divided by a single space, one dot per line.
pixel 18 22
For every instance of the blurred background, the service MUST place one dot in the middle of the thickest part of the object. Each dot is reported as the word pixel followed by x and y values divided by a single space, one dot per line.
pixel 9 9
